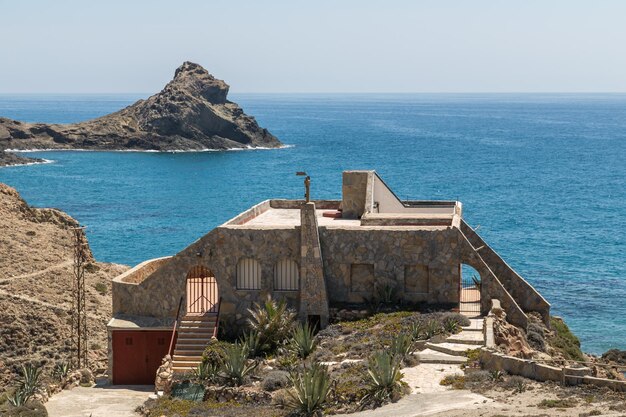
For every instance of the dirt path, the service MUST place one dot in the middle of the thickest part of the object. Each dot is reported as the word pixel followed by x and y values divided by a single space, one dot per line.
pixel 43 303
pixel 37 273
pixel 100 401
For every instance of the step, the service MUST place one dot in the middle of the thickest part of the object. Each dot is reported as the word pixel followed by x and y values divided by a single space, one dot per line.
pixel 194 335
pixel 185 364
pixel 196 326
pixel 432 356
pixel 456 349
pixel 476 325
pixel 196 358
pixel 184 345
pixel 470 338
pixel 188 352
pixel 198 318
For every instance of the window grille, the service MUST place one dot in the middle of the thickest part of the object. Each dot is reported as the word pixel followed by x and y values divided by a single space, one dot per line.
pixel 248 274
pixel 286 275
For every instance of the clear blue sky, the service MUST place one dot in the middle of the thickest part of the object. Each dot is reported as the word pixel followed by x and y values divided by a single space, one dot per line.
pixel 134 46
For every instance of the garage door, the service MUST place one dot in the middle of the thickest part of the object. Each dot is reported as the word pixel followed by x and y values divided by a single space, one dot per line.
pixel 137 355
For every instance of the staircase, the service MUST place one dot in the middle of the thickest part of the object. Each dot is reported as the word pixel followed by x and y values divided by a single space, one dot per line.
pixel 452 350
pixel 194 334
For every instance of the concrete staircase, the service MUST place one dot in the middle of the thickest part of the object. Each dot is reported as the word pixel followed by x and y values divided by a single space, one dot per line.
pixel 194 334
pixel 452 350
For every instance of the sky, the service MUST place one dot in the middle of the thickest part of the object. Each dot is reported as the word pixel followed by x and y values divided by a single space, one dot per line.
pixel 322 46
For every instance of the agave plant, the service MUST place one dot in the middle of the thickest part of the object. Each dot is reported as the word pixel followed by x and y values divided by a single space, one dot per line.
pixel 206 372
pixel 272 321
pixel 310 389
pixel 401 346
pixel 29 382
pixel 61 370
pixel 252 342
pixel 431 329
pixel 303 341
pixel 417 330
pixel 18 398
pixel 385 379
pixel 450 325
pixel 236 364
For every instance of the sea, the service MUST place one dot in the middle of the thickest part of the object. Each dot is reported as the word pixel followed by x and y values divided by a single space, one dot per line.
pixel 543 175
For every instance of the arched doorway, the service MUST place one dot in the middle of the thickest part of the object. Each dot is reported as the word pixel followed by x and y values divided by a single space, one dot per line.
pixel 470 291
pixel 202 293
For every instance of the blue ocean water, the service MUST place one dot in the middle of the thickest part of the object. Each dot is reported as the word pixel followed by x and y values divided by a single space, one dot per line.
pixel 544 176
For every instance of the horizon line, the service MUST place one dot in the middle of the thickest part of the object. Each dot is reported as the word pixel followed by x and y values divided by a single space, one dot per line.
pixel 326 92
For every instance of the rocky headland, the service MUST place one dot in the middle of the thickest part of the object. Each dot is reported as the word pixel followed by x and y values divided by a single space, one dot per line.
pixel 191 113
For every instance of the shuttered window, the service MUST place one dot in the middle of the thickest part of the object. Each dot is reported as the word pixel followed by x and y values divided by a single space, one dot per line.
pixel 248 274
pixel 286 275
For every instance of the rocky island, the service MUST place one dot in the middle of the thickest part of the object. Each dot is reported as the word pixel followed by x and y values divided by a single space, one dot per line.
pixel 191 113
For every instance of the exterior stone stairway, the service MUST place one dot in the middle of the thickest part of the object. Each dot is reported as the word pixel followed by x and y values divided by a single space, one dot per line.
pixel 452 350
pixel 194 334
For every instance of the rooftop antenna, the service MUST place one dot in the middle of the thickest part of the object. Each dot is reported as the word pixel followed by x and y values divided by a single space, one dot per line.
pixel 307 185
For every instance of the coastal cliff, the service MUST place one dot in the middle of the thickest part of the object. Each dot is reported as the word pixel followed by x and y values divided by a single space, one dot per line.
pixel 36 275
pixel 192 112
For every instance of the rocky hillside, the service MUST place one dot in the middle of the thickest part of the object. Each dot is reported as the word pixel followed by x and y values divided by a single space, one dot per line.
pixel 192 112
pixel 35 287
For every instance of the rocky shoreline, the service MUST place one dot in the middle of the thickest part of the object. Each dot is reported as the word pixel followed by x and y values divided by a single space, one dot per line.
pixel 191 113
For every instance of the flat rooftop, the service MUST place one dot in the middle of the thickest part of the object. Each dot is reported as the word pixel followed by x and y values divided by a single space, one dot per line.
pixel 291 217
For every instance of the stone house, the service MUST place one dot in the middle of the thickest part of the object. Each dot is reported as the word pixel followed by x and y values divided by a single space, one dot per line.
pixel 319 256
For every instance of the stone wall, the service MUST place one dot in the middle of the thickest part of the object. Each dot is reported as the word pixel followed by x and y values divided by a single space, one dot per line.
pixel 143 270
pixel 387 251
pixel 524 294
pixel 313 295
pixel 219 251
pixel 357 193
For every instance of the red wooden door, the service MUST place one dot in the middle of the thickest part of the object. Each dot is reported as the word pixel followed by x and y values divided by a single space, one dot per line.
pixel 137 355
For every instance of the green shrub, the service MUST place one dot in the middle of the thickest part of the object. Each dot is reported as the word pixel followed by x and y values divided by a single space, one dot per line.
pixel 385 379
pixel 303 341
pixel 101 288
pixel 457 317
pixel 310 389
pixel 477 376
pixel 536 340
pixel 236 365
pixel 456 381
pixel 215 352
pixel 565 341
pixel 450 325
pixel 560 403
pixel 275 380
pixel 517 383
pixel 272 321
pixel 29 409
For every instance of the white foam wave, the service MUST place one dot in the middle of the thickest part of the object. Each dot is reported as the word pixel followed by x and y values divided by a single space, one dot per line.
pixel 247 148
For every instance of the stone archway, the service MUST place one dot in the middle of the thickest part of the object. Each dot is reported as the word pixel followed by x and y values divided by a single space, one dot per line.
pixel 470 291
pixel 201 291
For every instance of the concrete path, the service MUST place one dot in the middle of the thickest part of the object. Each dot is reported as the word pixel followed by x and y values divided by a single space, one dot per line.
pixel 427 395
pixel 99 401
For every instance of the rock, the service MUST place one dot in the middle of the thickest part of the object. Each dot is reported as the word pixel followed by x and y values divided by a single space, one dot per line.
pixel 164 376
pixel 191 113
pixel 510 338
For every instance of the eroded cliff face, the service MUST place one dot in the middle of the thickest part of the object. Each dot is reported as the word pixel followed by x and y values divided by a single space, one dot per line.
pixel 36 278
pixel 192 112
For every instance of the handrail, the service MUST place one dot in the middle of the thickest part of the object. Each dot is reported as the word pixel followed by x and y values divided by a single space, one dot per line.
pixel 180 303
pixel 217 319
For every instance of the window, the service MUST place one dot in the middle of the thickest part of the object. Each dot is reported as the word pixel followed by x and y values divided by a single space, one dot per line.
pixel 286 276
pixel 416 279
pixel 248 274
